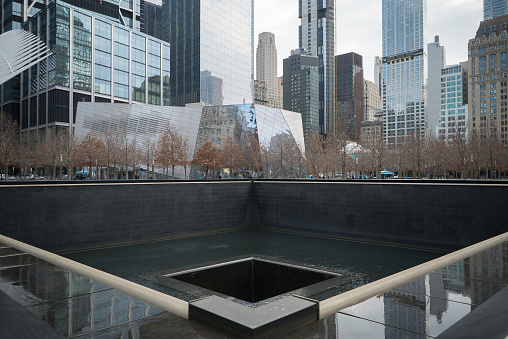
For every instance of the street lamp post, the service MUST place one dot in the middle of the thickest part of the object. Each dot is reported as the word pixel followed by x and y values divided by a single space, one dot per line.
pixel 213 170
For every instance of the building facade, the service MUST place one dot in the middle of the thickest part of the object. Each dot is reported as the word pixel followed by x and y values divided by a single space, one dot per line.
pixel 488 79
pixel 453 119
pixel 93 59
pixel 494 8
pixel 437 61
pixel 260 93
pixel 301 88
pixel 350 99
pixel 317 37
pixel 266 68
pixel 212 50
pixel 404 91
pixel 371 101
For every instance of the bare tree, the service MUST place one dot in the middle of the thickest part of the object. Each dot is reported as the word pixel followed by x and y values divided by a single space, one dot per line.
pixel 169 149
pixel 186 156
pixel 69 155
pixel 9 142
pixel 231 156
pixel 251 150
pixel 89 151
pixel 127 153
pixel 207 156
pixel 314 152
pixel 111 151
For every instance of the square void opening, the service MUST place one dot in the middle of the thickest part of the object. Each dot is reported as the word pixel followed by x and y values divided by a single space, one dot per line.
pixel 253 280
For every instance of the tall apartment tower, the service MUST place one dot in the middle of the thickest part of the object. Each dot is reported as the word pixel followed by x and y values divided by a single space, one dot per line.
pixel 212 57
pixel 349 86
pixel 488 80
pixel 494 9
pixel 437 61
pixel 404 69
pixel 301 88
pixel 317 37
pixel 266 68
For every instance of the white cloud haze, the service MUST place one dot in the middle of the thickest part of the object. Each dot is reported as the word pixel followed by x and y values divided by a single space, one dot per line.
pixel 358 27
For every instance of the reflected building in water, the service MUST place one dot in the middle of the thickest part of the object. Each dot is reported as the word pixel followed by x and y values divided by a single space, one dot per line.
pixel 247 125
pixel 212 45
pixel 486 273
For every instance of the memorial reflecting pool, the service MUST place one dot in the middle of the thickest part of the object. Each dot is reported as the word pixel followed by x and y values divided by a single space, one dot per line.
pixel 143 263
pixel 425 307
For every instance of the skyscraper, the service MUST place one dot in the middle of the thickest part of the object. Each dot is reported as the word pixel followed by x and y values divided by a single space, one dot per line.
pixel 494 8
pixel 71 68
pixel 437 61
pixel 301 88
pixel 404 69
pixel 213 46
pixel 266 68
pixel 317 37
pixel 349 85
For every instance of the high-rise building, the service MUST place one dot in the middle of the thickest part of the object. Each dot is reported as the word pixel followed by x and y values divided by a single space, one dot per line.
pixel 453 117
pixel 494 9
pixel 94 59
pixel 132 14
pixel 301 88
pixel 266 68
pixel 371 101
pixel 437 61
pixel 349 86
pixel 488 79
pixel 404 69
pixel 212 37
pixel 317 37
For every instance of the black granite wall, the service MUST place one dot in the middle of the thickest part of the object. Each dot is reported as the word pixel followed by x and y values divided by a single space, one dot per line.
pixel 438 215
pixel 72 216
pixel 427 214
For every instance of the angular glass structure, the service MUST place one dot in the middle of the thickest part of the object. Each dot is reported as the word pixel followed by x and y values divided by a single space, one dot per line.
pixel 213 56
pixel 404 69
pixel 197 124
pixel 494 8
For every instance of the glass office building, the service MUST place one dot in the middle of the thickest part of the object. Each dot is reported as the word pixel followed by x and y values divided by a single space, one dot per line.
pixel 94 59
pixel 404 69
pixel 494 8
pixel 301 88
pixel 317 37
pixel 212 54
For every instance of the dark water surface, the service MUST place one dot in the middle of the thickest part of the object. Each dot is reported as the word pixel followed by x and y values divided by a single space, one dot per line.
pixel 141 263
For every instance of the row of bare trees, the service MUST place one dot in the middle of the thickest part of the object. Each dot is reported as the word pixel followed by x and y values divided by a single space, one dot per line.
pixel 113 155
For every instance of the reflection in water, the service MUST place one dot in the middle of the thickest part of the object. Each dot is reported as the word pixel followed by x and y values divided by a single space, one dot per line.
pixel 427 306
pixel 486 273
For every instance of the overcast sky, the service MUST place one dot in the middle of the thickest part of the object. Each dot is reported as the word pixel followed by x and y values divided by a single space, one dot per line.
pixel 358 26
